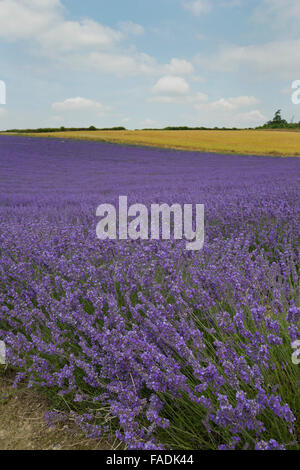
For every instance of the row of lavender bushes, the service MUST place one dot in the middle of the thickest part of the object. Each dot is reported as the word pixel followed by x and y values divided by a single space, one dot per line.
pixel 160 347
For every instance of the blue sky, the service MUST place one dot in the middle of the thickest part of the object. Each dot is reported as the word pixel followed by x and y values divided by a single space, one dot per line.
pixel 148 63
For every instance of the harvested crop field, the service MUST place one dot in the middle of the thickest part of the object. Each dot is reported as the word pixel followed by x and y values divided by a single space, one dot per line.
pixel 143 341
pixel 256 142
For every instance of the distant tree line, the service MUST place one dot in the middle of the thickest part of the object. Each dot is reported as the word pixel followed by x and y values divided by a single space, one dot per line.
pixel 186 128
pixel 65 129
pixel 120 128
pixel 276 123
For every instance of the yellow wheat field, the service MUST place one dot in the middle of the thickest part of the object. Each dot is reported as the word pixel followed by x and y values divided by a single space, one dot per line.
pixel 284 143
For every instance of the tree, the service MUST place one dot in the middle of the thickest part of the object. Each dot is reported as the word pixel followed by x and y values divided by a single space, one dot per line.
pixel 277 121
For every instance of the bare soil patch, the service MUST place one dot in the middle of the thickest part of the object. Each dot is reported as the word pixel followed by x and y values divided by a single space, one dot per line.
pixel 23 426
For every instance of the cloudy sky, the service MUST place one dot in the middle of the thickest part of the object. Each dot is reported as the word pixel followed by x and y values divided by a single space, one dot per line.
pixel 148 63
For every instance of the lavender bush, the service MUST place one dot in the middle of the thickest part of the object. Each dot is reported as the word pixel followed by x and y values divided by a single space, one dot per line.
pixel 163 347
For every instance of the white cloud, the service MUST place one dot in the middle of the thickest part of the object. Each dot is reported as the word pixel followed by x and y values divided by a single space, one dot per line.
pixel 171 89
pixel 197 7
pixel 42 21
pixel 251 117
pixel 209 115
pixel 23 19
pixel 235 103
pixel 127 63
pixel 84 44
pixel 232 3
pixel 228 111
pixel 171 86
pixel 128 27
pixel 231 112
pixel 200 97
pixel 72 35
pixel 276 59
pixel 278 12
pixel 118 63
pixel 179 67
pixel 75 104
pixel 167 99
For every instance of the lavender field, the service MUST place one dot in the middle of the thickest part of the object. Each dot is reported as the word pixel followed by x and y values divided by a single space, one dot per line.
pixel 144 341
